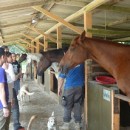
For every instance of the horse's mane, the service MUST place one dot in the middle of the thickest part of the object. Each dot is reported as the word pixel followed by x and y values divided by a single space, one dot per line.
pixel 55 51
pixel 102 41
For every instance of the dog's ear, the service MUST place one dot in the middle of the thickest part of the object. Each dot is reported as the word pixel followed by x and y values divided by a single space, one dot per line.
pixel 52 113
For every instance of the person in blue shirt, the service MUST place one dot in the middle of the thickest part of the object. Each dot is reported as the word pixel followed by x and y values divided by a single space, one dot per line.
pixel 72 98
pixel 4 94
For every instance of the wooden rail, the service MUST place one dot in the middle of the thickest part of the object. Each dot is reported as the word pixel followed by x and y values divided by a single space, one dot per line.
pixel 122 97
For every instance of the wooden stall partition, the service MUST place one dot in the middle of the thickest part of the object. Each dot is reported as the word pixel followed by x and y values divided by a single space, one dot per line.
pixel 116 112
pixel 87 24
pixel 88 77
pixel 103 108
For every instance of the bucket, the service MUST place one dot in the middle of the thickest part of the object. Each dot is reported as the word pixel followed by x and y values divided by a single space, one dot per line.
pixel 105 80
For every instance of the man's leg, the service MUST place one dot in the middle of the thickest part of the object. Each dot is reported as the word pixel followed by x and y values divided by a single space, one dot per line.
pixel 8 118
pixel 2 121
pixel 67 102
pixel 78 98
pixel 17 86
pixel 15 111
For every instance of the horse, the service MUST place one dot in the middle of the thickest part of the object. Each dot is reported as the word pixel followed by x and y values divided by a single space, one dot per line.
pixel 48 58
pixel 113 57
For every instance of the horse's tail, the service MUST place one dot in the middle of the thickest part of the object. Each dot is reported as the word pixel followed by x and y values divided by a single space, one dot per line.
pixel 28 93
pixel 30 122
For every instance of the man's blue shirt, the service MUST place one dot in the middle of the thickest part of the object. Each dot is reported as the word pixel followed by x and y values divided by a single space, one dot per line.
pixel 3 79
pixel 74 78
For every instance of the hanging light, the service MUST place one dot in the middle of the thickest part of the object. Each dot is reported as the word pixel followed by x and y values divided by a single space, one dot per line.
pixel 34 21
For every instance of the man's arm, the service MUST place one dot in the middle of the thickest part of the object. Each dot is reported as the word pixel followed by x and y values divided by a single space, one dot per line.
pixel 19 74
pixel 3 100
pixel 60 85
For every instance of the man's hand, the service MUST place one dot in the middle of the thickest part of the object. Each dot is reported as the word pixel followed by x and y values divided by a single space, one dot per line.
pixel 6 112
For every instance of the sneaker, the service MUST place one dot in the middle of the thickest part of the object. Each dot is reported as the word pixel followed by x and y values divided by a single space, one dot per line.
pixel 65 126
pixel 77 126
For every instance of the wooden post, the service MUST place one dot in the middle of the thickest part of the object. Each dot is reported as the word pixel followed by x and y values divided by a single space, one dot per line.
pixel 59 38
pixel 38 46
pixel 87 24
pixel 45 44
pixel 32 48
pixel 115 112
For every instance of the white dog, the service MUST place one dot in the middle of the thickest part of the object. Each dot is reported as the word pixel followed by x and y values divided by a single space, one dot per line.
pixel 24 91
pixel 52 123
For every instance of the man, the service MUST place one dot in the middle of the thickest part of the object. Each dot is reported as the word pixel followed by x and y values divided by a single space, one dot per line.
pixel 4 112
pixel 73 95
pixel 15 108
pixel 17 71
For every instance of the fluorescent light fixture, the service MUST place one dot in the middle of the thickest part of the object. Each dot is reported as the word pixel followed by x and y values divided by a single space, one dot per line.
pixel 34 21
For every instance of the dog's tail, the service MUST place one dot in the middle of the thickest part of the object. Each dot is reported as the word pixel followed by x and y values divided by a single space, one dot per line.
pixel 30 122
pixel 28 93
pixel 52 113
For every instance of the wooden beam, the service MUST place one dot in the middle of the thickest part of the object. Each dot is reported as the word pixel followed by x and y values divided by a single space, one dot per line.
pixel 108 32
pixel 88 8
pixel 59 38
pixel 88 23
pixel 72 3
pixel 29 37
pixel 57 18
pixel 27 42
pixel 22 45
pixel 43 34
pixel 38 46
pixel 14 24
pixel 21 5
pixel 115 8
pixel 31 45
pixel 124 20
pixel 122 39
pixel 45 44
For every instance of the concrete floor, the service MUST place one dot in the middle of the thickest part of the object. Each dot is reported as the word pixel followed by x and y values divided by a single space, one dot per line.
pixel 41 104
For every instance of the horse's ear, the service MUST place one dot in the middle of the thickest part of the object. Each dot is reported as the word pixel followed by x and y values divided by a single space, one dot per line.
pixel 82 36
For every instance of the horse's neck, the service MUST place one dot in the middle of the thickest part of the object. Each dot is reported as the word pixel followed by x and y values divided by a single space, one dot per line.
pixel 55 57
pixel 102 53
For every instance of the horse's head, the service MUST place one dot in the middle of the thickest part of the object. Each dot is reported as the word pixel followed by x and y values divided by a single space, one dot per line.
pixel 75 54
pixel 43 64
pixel 22 58
pixel 48 58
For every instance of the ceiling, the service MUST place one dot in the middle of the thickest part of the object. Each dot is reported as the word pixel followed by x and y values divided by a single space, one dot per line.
pixel 21 22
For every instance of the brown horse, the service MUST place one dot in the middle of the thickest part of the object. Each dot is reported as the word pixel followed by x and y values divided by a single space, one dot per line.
pixel 48 58
pixel 111 56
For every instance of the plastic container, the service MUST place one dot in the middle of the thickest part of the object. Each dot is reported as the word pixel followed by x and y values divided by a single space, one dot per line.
pixel 105 80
